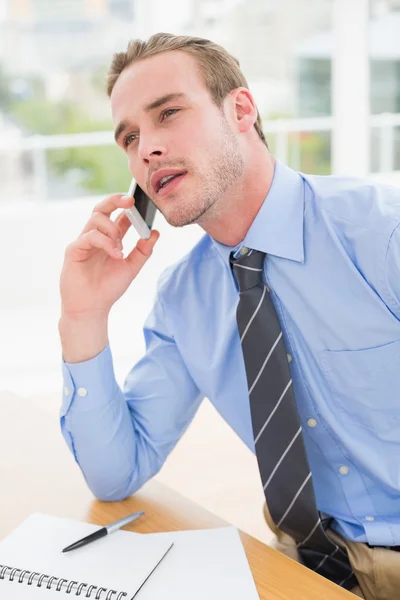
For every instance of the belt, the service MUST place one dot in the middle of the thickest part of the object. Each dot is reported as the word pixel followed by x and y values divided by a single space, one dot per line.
pixel 395 548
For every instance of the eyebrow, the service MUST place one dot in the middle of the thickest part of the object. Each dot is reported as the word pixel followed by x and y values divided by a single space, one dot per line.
pixel 148 108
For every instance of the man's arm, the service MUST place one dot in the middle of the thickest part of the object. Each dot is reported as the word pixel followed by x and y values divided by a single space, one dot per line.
pixel 121 438
pixel 118 439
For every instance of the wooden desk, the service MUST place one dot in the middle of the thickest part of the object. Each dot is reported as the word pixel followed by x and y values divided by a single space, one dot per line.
pixel 38 474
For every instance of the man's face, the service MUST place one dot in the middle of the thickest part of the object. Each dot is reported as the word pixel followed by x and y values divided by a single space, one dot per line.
pixel 168 124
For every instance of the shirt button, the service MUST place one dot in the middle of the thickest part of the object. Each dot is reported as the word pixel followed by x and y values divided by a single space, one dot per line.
pixel 82 392
pixel 243 251
pixel 66 391
pixel 343 470
pixel 369 518
pixel 312 423
pixel 289 358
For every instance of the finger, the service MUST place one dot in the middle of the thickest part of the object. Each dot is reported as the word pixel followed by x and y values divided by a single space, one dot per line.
pixel 104 224
pixel 123 223
pixel 111 203
pixel 142 252
pixel 94 239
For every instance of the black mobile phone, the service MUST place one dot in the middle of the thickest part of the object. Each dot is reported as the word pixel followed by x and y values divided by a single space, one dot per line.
pixel 144 205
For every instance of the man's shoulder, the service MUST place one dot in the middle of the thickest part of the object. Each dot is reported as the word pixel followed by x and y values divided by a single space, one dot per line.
pixel 188 267
pixel 363 202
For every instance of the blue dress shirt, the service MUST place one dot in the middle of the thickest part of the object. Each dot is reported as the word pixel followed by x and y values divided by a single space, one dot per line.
pixel 333 269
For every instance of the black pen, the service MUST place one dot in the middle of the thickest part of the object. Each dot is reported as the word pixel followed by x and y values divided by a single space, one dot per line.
pixel 104 531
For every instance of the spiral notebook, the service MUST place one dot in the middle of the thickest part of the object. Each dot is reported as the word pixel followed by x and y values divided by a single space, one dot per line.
pixel 204 564
pixel 112 568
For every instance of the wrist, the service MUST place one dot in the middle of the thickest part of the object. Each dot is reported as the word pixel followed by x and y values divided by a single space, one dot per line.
pixel 82 336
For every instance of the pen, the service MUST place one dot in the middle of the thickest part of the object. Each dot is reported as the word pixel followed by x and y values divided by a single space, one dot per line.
pixel 104 531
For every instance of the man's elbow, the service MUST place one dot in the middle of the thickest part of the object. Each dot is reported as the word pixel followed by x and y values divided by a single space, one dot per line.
pixel 114 485
pixel 106 490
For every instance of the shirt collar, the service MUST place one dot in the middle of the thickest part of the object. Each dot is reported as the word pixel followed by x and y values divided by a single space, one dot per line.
pixel 278 226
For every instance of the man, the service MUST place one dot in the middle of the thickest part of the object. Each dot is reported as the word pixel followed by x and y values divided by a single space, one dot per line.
pixel 303 363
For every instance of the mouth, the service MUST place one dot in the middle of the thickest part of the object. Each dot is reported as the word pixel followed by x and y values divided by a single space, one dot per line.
pixel 164 180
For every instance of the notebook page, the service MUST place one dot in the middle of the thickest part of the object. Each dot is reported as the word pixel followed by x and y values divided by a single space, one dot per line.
pixel 207 564
pixel 119 561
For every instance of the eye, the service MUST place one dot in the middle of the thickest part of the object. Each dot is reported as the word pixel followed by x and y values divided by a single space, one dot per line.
pixel 167 113
pixel 130 138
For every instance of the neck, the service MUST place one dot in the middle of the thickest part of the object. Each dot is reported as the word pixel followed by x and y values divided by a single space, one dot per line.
pixel 237 211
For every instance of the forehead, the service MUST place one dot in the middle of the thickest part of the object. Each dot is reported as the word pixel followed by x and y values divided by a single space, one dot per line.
pixel 150 78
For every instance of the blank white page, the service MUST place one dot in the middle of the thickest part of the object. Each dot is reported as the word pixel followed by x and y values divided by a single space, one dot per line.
pixel 209 564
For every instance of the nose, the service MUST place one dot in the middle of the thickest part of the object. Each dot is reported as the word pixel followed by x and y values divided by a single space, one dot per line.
pixel 151 148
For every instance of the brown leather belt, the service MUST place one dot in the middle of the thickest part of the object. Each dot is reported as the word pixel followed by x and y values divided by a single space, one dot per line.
pixel 395 548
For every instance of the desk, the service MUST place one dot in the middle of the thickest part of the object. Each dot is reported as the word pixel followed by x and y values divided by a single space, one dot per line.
pixel 38 474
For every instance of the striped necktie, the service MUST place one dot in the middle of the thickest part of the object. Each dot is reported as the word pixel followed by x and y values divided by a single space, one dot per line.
pixel 278 438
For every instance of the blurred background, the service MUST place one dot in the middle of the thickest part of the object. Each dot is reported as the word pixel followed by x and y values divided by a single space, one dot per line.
pixel 327 83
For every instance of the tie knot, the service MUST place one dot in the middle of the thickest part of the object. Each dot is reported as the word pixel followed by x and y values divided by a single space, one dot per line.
pixel 248 269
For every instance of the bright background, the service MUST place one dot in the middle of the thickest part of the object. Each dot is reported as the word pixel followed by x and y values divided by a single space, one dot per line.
pixel 327 84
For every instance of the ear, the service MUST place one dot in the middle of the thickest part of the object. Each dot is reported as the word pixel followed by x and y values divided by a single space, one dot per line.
pixel 244 109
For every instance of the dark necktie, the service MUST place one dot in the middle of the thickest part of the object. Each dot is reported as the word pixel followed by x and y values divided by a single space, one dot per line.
pixel 280 450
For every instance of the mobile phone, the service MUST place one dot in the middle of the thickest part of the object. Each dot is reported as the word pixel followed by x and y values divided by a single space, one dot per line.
pixel 142 214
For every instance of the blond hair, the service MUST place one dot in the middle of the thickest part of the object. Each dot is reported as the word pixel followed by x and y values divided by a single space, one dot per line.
pixel 220 70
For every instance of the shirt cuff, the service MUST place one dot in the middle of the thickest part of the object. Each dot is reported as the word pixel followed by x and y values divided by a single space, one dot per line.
pixel 89 384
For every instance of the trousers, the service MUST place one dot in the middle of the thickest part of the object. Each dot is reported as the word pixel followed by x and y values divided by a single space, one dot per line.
pixel 377 569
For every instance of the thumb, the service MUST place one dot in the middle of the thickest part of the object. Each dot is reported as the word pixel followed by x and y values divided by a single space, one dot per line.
pixel 142 252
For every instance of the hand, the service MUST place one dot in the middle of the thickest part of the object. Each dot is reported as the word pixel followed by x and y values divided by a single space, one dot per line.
pixel 95 274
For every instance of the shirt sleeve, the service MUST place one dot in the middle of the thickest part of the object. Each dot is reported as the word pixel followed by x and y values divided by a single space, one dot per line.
pixel 393 271
pixel 121 438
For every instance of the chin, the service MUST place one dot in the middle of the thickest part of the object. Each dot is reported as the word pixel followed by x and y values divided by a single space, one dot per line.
pixel 178 220
pixel 178 215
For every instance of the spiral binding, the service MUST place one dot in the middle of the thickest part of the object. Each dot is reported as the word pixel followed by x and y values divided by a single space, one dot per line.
pixel 59 584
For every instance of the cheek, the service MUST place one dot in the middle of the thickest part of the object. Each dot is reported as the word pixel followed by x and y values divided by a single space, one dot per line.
pixel 135 165
pixel 196 143
pixel 132 164
pixel 138 171
pixel 208 136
